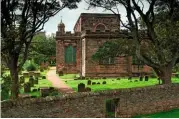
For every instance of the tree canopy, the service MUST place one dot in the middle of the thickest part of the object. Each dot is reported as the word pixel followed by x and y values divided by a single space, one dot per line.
pixel 161 20
pixel 20 21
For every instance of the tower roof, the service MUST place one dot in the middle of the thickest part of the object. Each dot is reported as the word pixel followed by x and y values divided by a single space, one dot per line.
pixel 61 23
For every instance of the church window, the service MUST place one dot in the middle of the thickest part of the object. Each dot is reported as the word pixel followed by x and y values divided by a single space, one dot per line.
pixel 70 54
pixel 100 27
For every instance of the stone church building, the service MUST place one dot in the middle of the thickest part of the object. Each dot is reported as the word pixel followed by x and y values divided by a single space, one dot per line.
pixel 74 50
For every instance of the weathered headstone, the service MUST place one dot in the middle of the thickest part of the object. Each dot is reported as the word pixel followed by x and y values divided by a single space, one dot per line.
pixel 146 78
pixel 130 78
pixel 26 74
pixel 87 89
pixel 31 81
pixel 34 90
pixel 36 74
pixel 44 91
pixel 104 82
pixel 27 87
pixel 140 78
pixel 22 79
pixel 136 81
pixel 31 73
pixel 43 77
pixel 89 82
pixel 118 79
pixel 36 81
pixel 81 87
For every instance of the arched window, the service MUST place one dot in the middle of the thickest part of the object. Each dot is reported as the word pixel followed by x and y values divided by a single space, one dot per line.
pixel 70 54
pixel 100 27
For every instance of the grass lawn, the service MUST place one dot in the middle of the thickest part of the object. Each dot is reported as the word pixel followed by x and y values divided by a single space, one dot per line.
pixel 111 83
pixel 169 114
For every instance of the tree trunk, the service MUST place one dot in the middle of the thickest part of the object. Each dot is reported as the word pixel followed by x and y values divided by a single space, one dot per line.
pixel 14 76
pixel 165 74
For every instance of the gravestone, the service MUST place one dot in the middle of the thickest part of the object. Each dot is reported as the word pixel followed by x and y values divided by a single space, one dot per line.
pixel 159 81
pixel 44 91
pixel 104 82
pixel 27 87
pixel 81 87
pixel 22 80
pixel 146 78
pixel 26 74
pixel 34 90
pixel 36 74
pixel 87 89
pixel 31 81
pixel 93 83
pixel 36 81
pixel 89 82
pixel 118 79
pixel 31 73
pixel 140 78
pixel 43 77
pixel 130 78
pixel 136 81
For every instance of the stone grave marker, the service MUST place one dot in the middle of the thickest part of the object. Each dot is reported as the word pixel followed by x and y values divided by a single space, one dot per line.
pixel 146 78
pixel 81 87
pixel 31 81
pixel 104 82
pixel 22 79
pixel 89 82
pixel 27 87
pixel 140 78
pixel 44 91
pixel 87 89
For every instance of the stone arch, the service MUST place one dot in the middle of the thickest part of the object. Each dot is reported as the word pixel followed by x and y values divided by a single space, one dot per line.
pixel 100 27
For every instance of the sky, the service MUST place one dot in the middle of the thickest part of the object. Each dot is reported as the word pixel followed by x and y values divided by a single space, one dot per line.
pixel 69 17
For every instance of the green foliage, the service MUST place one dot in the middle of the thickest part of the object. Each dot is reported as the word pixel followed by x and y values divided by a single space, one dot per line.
pixel 5 86
pixel 118 47
pixel 30 66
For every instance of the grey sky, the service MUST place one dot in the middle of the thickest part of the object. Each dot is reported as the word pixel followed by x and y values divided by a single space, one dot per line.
pixel 70 17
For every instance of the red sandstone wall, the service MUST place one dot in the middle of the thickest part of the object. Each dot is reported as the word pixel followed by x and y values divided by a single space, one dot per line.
pixel 131 102
pixel 93 68
pixel 60 60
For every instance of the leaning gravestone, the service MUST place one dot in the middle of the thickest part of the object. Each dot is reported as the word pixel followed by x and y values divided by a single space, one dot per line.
pixel 44 91
pixel 89 82
pixel 81 87
pixel 31 81
pixel 27 87
pixel 87 89
pixel 22 80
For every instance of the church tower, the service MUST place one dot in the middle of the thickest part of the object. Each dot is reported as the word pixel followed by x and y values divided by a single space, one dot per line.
pixel 61 27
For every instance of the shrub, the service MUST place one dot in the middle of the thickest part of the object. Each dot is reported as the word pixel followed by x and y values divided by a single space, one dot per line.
pixel 5 86
pixel 118 79
pixel 30 66
pixel 104 77
pixel 140 78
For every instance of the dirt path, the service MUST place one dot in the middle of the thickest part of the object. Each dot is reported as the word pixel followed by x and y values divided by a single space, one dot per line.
pixel 56 82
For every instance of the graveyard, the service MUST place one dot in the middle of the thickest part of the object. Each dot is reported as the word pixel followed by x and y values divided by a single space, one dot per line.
pixel 103 83
pixel 89 59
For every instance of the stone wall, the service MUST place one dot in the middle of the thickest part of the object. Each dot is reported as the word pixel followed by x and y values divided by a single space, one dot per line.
pixel 131 102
